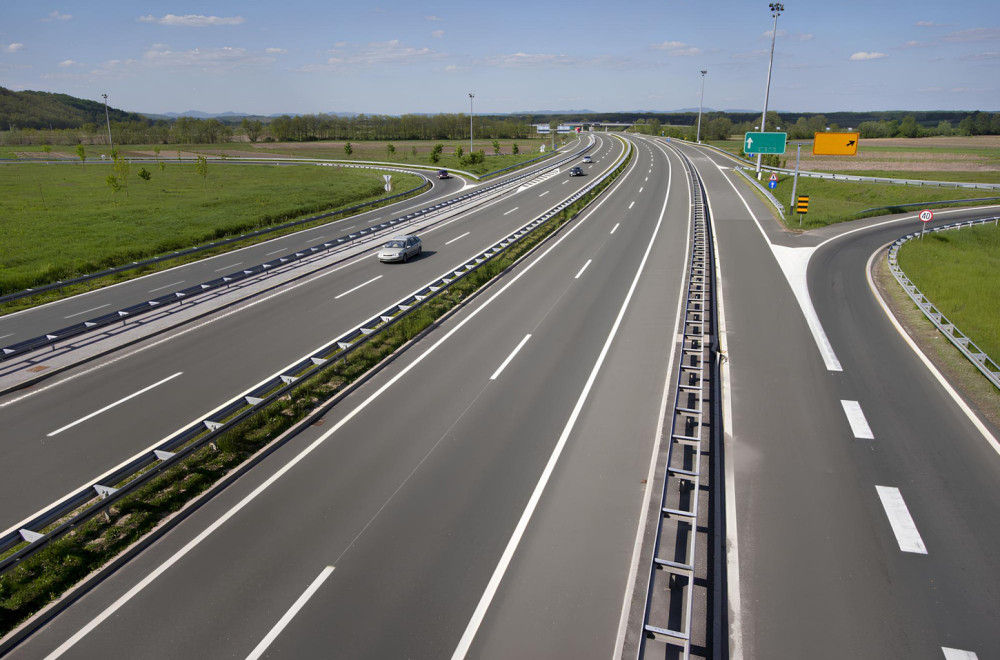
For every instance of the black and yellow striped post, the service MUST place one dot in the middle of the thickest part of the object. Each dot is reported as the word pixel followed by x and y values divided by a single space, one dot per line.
pixel 802 206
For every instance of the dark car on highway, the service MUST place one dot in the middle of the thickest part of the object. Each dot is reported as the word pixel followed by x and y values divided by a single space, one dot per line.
pixel 443 174
pixel 576 171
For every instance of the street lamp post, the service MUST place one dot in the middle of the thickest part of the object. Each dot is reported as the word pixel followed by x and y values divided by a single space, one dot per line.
pixel 471 96
pixel 776 9
pixel 107 118
pixel 701 104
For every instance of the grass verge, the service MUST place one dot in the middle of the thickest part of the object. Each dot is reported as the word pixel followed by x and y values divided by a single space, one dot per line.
pixel 959 270
pixel 45 575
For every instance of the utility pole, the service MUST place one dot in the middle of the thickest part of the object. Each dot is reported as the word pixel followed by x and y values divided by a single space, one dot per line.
pixel 701 104
pixel 108 119
pixel 776 9
pixel 471 96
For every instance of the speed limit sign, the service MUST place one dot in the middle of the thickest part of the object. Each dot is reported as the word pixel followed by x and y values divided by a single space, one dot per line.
pixel 925 217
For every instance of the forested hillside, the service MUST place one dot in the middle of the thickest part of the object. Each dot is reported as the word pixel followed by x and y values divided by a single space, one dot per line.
pixel 28 109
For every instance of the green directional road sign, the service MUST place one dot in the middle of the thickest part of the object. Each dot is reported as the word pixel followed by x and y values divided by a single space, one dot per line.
pixel 764 143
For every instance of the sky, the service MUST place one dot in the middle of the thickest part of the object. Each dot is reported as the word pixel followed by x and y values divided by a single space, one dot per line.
pixel 395 57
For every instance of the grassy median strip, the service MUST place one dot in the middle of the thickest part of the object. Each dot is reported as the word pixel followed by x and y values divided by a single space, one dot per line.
pixel 48 573
pixel 959 271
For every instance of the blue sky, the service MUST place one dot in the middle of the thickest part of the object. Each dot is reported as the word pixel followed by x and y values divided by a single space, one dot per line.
pixel 392 57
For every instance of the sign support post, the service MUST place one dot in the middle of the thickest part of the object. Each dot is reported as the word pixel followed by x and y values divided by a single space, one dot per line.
pixel 795 181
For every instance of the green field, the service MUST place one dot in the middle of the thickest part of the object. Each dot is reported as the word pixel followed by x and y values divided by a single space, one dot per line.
pixel 959 271
pixel 58 220
pixel 838 201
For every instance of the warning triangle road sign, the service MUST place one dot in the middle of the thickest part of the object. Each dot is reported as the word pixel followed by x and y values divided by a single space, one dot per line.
pixel 774 177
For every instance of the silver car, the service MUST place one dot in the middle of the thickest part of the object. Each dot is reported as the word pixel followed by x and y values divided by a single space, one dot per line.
pixel 401 248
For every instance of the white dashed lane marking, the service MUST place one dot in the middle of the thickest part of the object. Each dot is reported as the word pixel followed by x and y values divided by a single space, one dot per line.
pixel 859 425
pixel 901 521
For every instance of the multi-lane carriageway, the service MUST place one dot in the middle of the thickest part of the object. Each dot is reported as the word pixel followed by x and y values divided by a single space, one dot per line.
pixel 481 496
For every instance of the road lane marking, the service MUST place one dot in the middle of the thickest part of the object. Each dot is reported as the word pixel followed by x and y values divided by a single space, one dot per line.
pixel 641 188
pixel 457 237
pixel 318 238
pixel 268 254
pixel 10 335
pixel 615 228
pixel 564 182
pixel 290 614
pixel 956 654
pixel 545 193
pixel 295 460
pixel 856 417
pixel 900 520
pixel 356 288
pixel 87 311
pixel 632 204
pixel 510 357
pixel 583 269
pixel 465 643
pixel 511 211
pixel 238 263
pixel 166 286
pixel 116 403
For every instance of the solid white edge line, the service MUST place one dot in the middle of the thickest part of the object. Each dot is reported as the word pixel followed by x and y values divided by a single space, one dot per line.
pixel 338 297
pixel 465 643
pixel 457 238
pixel 583 269
pixel 615 228
pixel 856 418
pixel 959 401
pixel 800 289
pixel 112 405
pixel 958 654
pixel 503 365
pixel 290 614
pixel 295 460
pixel 87 311
pixel 900 520
pixel 654 456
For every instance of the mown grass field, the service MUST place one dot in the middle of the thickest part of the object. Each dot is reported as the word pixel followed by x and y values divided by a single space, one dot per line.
pixel 61 219
pixel 838 201
pixel 361 151
pixel 959 271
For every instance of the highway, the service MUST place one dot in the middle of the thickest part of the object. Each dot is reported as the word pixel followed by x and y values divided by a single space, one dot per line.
pixel 538 403
pixel 55 443
pixel 866 499
pixel 480 496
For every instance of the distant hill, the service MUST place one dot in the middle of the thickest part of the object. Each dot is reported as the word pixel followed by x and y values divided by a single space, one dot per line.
pixel 41 110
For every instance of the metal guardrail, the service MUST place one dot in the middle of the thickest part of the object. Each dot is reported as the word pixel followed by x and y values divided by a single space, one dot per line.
pixel 963 343
pixel 50 339
pixel 675 565
pixel 767 193
pixel 80 506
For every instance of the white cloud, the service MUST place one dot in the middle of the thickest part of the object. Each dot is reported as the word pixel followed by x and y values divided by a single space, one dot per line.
pixel 454 68
pixel 68 63
pixel 669 45
pixel 275 51
pixel 930 24
pixel 802 37
pixel 917 44
pixel 549 60
pixel 862 55
pixel 208 59
pixel 433 18
pixel 437 34
pixel 54 15
pixel 372 54
pixel 192 20
pixel 677 48
pixel 974 34
pixel 341 44
pixel 13 48
pixel 981 57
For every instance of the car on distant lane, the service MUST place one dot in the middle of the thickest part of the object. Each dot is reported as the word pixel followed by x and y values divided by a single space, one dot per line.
pixel 401 248
pixel 588 159
pixel 576 171
pixel 443 174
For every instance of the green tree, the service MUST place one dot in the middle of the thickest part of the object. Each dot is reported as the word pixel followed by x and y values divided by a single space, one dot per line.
pixel 458 152
pixel 81 153
pixel 348 149
pixel 390 149
pixel 496 147
pixel 145 174
pixel 156 152
pixel 201 167
pixel 122 168
pixel 112 182
pixel 908 127
pixel 47 148
pixel 252 128
pixel 413 152
pixel 514 150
